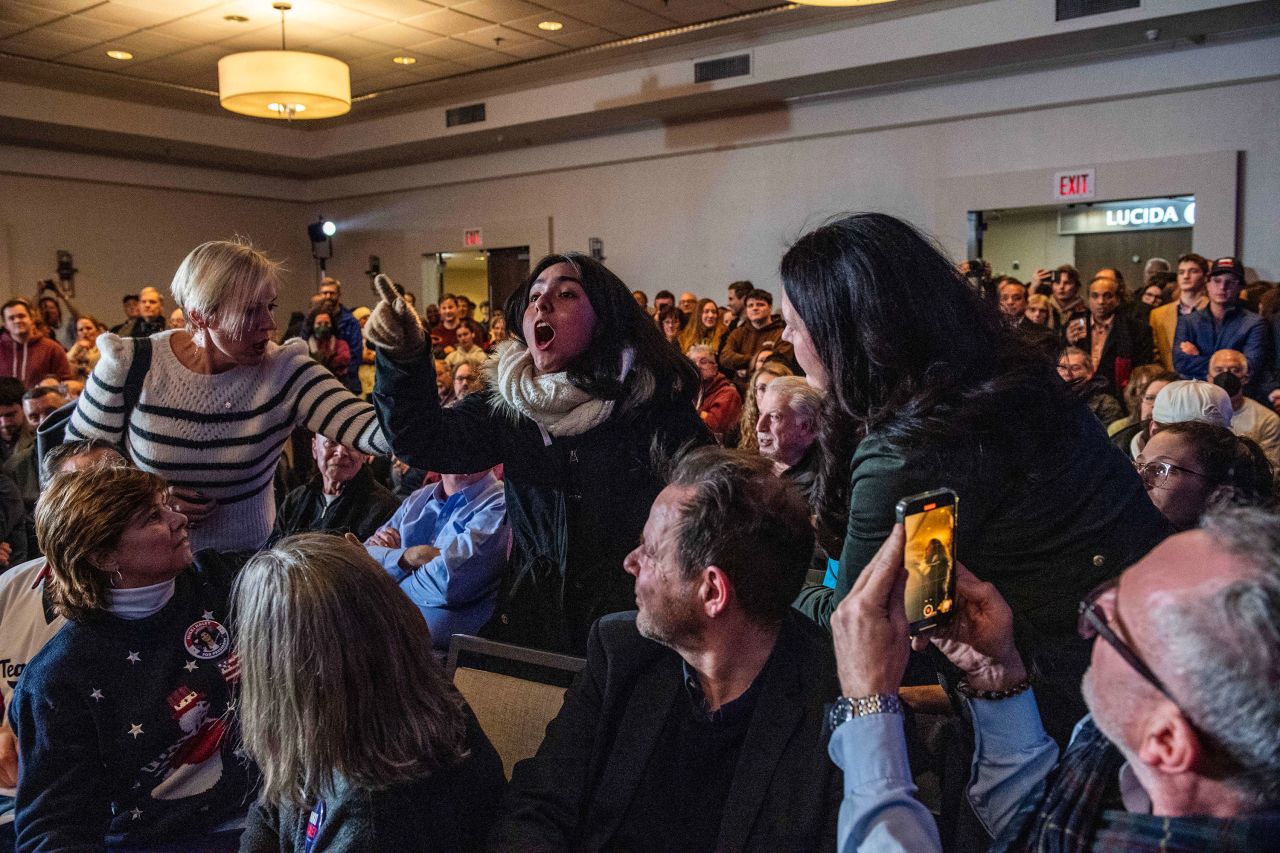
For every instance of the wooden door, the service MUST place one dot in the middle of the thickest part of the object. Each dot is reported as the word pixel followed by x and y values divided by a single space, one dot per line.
pixel 1097 251
pixel 508 269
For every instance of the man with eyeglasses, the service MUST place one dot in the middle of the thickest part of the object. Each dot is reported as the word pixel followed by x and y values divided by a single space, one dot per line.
pixel 1179 751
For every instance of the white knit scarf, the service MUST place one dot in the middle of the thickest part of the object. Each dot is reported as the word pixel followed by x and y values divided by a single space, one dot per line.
pixel 549 399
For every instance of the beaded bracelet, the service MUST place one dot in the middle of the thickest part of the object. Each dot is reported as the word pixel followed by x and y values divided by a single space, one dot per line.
pixel 966 690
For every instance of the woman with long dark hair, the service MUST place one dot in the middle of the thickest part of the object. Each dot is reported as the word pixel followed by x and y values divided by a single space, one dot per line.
pixel 927 388
pixel 577 400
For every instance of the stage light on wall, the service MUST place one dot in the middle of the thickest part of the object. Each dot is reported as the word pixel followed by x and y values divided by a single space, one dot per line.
pixel 321 230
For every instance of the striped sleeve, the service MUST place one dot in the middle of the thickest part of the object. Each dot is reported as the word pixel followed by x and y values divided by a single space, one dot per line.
pixel 327 407
pixel 100 410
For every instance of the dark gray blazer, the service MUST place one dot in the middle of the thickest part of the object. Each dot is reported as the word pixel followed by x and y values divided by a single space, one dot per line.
pixel 574 793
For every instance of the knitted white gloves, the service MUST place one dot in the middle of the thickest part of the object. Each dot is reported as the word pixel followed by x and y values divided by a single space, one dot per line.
pixel 393 326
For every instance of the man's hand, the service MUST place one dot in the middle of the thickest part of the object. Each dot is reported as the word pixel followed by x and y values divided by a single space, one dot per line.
pixel 387 537
pixel 1076 331
pixel 417 556
pixel 6 551
pixel 8 758
pixel 870 625
pixel 979 637
pixel 393 326
pixel 1189 348
pixel 195 506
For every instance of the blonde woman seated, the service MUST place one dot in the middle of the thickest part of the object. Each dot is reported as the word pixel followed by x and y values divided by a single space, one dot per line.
pixel 362 742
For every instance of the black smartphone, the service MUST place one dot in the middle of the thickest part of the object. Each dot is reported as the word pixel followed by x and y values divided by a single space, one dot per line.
pixel 930 557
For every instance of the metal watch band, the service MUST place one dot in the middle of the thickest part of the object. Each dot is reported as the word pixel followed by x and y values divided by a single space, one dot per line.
pixel 845 708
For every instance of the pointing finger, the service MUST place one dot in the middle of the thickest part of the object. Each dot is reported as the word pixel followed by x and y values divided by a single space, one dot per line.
pixel 385 288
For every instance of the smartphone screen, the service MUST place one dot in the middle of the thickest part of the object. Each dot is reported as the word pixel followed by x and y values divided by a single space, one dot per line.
pixel 930 521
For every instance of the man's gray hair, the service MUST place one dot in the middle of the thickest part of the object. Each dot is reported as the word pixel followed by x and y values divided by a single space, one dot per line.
pixel 701 349
pixel 1084 354
pixel 801 397
pixel 1225 653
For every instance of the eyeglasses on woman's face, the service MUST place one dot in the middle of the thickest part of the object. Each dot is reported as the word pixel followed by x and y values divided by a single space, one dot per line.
pixel 1158 474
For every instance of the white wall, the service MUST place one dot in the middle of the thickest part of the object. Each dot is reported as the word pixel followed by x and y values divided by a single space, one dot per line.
pixel 1028 238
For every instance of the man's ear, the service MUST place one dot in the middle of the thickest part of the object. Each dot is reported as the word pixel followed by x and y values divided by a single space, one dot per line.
pixel 715 592
pixel 1169 744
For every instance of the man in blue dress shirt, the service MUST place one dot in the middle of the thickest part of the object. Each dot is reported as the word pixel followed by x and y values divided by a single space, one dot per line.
pixel 446 546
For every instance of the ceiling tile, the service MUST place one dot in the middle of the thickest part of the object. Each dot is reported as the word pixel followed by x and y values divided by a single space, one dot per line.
pixel 74 25
pixel 481 58
pixel 396 10
pixel 443 48
pixel 43 45
pixel 498 11
pixel 96 57
pixel 211 25
pixel 342 17
pixel 262 38
pixel 436 70
pixel 638 25
pixel 26 15
pixel 395 35
pixel 687 11
pixel 606 13
pixel 146 45
pixel 347 48
pixel 488 37
pixel 169 9
pixel 574 37
pixel 114 13
pixel 529 25
pixel 533 50
pixel 65 7
pixel 445 22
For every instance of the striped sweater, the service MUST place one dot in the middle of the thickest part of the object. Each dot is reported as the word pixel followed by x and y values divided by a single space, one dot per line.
pixel 222 434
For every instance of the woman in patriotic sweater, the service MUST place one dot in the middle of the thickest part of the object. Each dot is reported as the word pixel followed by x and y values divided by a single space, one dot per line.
pixel 123 719
pixel 219 402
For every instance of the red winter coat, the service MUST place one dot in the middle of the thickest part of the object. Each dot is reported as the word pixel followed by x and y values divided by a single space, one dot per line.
pixel 719 405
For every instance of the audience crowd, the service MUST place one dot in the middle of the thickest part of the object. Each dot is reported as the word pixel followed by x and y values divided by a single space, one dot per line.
pixel 235 555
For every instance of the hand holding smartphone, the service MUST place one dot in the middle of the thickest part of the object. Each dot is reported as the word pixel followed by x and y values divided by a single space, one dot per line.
pixel 929 557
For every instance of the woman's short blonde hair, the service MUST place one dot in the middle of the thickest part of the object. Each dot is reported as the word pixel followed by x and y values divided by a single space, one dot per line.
pixel 1037 300
pixel 81 515
pixel 221 281
pixel 337 674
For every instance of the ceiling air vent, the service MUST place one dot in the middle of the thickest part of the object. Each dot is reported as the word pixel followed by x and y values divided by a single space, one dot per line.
pixel 469 114
pixel 719 69
pixel 1068 9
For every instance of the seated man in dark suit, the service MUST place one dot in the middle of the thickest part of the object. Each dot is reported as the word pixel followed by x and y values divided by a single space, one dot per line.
pixel 342 497
pixel 698 723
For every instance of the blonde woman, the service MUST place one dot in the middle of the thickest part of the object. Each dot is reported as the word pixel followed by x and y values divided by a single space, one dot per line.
pixel 362 742
pixel 221 398
pixel 746 429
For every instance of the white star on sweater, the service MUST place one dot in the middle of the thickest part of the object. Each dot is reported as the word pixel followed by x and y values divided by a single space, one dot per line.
pixel 135 729
pixel 134 657
pixel 96 695
pixel 208 614
pixel 189 666
pixel 135 813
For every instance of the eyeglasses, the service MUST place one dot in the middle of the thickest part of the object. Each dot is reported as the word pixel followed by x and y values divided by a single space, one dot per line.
pixel 1157 473
pixel 1093 622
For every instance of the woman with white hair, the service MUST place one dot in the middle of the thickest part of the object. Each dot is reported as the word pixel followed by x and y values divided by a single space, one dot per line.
pixel 220 398
pixel 348 764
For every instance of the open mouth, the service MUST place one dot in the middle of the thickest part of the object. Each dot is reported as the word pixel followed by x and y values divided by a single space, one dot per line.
pixel 543 334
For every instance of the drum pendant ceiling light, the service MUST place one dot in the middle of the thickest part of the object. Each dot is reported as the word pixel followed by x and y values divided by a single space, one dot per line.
pixel 287 84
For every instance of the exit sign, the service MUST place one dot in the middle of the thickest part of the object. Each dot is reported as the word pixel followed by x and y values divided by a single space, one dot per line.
pixel 1070 186
pixel 471 237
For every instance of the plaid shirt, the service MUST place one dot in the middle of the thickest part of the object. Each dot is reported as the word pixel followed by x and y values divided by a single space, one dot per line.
pixel 1069 814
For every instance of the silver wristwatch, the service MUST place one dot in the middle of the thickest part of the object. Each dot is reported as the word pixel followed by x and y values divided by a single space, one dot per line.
pixel 845 709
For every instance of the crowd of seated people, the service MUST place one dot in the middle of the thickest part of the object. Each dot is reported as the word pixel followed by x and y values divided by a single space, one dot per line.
pixel 235 581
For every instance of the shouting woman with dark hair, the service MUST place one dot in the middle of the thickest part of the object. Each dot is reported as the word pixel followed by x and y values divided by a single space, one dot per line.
pixel 926 388
pixel 577 399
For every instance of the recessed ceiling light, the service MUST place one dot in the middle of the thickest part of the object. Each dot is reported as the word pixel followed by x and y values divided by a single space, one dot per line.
pixel 119 54
pixel 551 26
pixel 235 19
pixel 404 60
